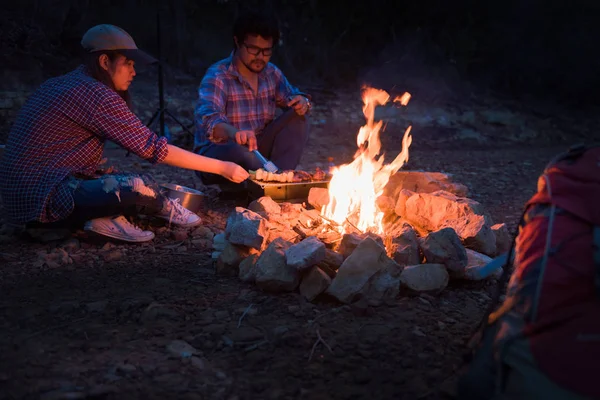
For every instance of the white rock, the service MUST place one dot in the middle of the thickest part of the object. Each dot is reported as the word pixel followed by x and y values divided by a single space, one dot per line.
pixel 444 247
pixel 481 266
pixel 204 232
pixel 248 268
pixel 272 271
pixel 405 245
pixel 247 228
pixel 351 240
pixel 422 182
pixel 219 242
pixel 314 283
pixel 333 259
pixel 437 210
pixel 368 273
pixel 183 349
pixel 230 258
pixel 425 277
pixel 265 205
pixel 386 204
pixel 503 238
pixel 318 197
pixel 309 252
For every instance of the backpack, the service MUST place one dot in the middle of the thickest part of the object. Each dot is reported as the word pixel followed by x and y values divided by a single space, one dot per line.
pixel 544 339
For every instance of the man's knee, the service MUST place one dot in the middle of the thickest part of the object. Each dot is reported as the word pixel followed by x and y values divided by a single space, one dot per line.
pixel 300 122
pixel 297 130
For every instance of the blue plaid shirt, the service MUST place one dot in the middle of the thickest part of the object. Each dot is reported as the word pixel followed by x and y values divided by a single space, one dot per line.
pixel 224 96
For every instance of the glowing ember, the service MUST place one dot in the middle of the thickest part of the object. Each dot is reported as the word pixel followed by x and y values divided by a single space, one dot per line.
pixel 355 187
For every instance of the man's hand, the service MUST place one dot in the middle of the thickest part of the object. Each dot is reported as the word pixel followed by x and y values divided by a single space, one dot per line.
pixel 300 104
pixel 246 138
pixel 234 172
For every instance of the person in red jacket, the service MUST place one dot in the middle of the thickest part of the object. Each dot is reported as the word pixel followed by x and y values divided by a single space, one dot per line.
pixel 50 171
pixel 543 340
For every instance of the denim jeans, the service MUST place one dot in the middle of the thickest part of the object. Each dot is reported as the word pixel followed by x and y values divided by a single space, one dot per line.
pixel 282 142
pixel 111 195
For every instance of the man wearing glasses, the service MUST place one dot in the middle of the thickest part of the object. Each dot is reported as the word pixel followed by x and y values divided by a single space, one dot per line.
pixel 238 98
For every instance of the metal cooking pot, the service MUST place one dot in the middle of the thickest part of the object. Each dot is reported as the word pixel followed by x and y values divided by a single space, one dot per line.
pixel 191 199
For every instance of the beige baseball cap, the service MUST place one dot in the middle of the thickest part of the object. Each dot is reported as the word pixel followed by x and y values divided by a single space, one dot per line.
pixel 111 37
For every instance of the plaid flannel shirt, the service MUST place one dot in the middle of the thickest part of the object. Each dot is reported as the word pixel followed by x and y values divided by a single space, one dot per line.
pixel 59 133
pixel 225 96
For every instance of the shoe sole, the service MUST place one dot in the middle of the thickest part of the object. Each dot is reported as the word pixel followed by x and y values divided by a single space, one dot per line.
pixel 190 225
pixel 114 235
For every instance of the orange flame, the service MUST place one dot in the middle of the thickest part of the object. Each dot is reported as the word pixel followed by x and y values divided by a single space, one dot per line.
pixel 404 99
pixel 355 187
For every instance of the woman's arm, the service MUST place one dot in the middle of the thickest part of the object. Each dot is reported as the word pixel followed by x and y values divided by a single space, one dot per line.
pixel 178 157
pixel 114 121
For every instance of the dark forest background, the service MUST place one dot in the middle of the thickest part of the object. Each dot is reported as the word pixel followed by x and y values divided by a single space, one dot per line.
pixel 523 49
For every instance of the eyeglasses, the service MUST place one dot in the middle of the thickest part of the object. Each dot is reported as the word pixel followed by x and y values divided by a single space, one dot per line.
pixel 254 50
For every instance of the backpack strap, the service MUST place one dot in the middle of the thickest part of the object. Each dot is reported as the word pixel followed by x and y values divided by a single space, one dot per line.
pixel 596 254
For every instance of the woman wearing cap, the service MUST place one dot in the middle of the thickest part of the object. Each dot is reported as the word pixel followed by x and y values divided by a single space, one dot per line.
pixel 50 170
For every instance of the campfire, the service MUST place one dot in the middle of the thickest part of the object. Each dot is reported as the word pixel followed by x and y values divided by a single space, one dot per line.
pixel 376 230
pixel 355 187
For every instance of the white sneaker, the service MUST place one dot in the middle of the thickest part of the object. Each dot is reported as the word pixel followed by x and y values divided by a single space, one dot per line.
pixel 118 228
pixel 176 214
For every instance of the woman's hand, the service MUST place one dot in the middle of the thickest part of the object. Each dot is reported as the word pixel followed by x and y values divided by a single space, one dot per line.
pixel 234 172
pixel 186 159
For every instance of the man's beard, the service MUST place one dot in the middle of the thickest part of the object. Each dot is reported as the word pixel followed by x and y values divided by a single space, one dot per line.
pixel 256 66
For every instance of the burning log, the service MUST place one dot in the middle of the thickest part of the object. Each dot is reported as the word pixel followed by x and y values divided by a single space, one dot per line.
pixel 310 218
pixel 330 238
pixel 300 232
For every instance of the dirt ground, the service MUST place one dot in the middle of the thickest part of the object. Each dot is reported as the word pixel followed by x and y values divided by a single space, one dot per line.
pixel 100 326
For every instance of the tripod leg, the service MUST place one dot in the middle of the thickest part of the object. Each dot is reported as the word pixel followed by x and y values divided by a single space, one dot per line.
pixel 154 116
pixel 185 128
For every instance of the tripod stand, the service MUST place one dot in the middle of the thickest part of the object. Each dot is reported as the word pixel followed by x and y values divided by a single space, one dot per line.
pixel 162 109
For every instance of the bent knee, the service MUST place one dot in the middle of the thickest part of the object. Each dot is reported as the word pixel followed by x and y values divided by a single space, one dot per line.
pixel 233 152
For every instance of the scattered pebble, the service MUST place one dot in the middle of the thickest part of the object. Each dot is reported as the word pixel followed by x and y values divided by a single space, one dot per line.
pixel 417 331
pixel 180 348
pixel 97 306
